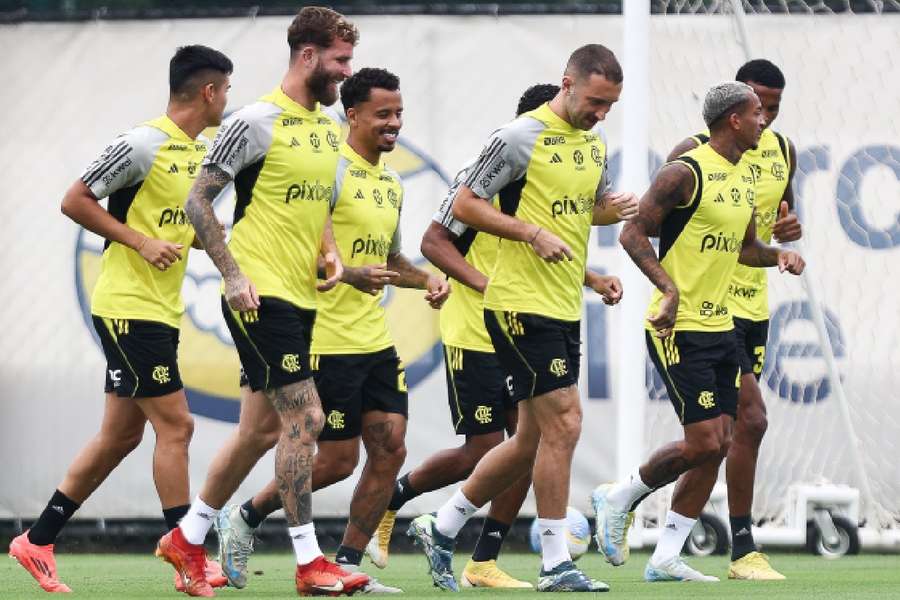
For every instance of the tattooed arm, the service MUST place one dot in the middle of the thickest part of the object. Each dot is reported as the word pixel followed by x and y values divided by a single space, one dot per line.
pixel 409 275
pixel 239 291
pixel 672 187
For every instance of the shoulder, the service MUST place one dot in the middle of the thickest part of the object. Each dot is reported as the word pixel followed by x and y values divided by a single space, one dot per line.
pixel 334 112
pixel 392 174
pixel 258 114
pixel 522 129
pixel 686 145
pixel 145 138
pixel 600 132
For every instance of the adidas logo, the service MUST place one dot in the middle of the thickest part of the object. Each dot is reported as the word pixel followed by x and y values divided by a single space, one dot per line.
pixel 495 534
pixel 59 509
pixel 461 510
pixel 206 516
pixel 672 526
pixel 359 196
pixel 743 531
pixel 555 158
pixel 173 168
pixel 294 142
pixel 549 532
pixel 300 536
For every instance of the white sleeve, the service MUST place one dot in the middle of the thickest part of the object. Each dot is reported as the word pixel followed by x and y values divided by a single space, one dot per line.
pixel 396 241
pixel 504 158
pixel 124 163
pixel 243 139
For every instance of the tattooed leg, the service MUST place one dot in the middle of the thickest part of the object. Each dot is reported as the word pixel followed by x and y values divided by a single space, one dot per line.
pixel 301 421
pixel 383 435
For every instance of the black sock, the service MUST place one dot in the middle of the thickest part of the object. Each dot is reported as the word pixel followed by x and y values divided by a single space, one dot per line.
pixel 348 556
pixel 251 516
pixel 403 493
pixel 58 512
pixel 175 514
pixel 741 537
pixel 492 535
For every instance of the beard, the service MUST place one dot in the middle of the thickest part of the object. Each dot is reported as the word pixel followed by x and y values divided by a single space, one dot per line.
pixel 320 85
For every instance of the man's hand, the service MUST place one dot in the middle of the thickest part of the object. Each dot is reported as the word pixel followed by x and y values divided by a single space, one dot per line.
pixel 438 291
pixel 608 286
pixel 334 270
pixel 791 262
pixel 625 204
pixel 160 253
pixel 549 247
pixel 369 279
pixel 664 320
pixel 787 228
pixel 240 293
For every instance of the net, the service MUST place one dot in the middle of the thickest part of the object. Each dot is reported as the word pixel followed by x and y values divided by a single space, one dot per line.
pixel 840 114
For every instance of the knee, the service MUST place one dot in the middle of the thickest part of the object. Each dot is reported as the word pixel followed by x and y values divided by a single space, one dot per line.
pixel 178 431
pixel 389 458
pixel 125 442
pixel 476 447
pixel 313 423
pixel 386 452
pixel 711 447
pixel 565 430
pixel 753 425
pixel 258 439
pixel 340 465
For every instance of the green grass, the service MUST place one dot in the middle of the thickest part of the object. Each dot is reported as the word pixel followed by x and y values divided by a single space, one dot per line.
pixel 142 576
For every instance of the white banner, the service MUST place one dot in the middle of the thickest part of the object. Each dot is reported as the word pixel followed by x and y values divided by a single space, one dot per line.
pixel 70 88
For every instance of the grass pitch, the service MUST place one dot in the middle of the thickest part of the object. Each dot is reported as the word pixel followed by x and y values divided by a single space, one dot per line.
pixel 142 576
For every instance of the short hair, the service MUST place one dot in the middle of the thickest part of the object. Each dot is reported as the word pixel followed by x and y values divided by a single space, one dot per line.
pixel 595 58
pixel 763 72
pixel 320 27
pixel 358 87
pixel 190 62
pixel 721 98
pixel 536 95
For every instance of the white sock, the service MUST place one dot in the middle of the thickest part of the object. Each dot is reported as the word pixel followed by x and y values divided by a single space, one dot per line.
pixel 674 534
pixel 625 494
pixel 196 523
pixel 306 544
pixel 554 549
pixel 453 515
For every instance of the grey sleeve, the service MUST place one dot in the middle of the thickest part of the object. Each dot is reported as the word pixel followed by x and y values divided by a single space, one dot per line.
pixel 125 162
pixel 444 214
pixel 605 183
pixel 338 181
pixel 243 138
pixel 504 158
pixel 396 241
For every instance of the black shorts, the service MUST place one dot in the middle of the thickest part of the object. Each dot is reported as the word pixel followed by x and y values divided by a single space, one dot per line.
pixel 751 337
pixel 541 354
pixel 479 392
pixel 272 342
pixel 141 357
pixel 700 371
pixel 352 384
